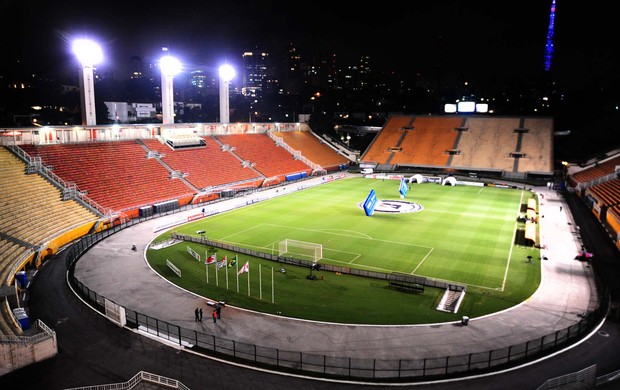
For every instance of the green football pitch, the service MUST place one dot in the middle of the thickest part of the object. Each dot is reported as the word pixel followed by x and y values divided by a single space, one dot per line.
pixel 467 235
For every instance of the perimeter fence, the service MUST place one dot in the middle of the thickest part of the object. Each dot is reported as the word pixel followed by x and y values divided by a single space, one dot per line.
pixel 328 366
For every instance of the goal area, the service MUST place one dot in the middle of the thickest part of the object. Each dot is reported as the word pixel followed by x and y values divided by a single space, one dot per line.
pixel 300 249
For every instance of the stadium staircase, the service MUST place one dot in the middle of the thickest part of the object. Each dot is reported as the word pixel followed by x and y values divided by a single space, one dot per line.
pixel 269 159
pixel 174 174
pixel 451 301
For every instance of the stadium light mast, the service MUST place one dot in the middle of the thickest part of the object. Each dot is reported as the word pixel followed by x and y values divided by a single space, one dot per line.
pixel 226 74
pixel 170 67
pixel 89 54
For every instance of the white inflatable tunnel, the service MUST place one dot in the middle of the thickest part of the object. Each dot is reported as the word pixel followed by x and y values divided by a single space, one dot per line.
pixel 450 180
pixel 417 178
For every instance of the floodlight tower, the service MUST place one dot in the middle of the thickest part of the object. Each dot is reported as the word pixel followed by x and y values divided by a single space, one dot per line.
pixel 89 54
pixel 226 74
pixel 170 67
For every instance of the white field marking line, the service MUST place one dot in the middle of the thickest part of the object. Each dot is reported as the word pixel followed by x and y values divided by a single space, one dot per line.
pixel 421 262
pixel 359 255
pixel 478 193
pixel 512 245
pixel 362 235
pixel 347 235
pixel 364 266
pixel 361 266
pixel 424 276
pixel 355 254
pixel 241 208
pixel 244 245
pixel 355 259
pixel 486 216
pixel 297 195
pixel 242 231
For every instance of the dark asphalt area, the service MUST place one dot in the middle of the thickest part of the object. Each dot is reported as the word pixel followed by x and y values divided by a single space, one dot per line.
pixel 94 351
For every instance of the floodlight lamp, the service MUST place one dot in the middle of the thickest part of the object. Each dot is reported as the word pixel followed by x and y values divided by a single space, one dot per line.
pixel 226 72
pixel 88 52
pixel 170 66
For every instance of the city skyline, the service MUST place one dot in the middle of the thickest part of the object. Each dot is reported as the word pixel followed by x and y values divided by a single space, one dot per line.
pixel 476 40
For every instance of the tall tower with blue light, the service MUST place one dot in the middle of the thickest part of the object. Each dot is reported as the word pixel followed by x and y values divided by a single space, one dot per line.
pixel 549 44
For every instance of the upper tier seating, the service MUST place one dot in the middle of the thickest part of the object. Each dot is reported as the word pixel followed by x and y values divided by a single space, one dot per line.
pixel 206 167
pixel 312 148
pixel 510 144
pixel 596 171
pixel 428 142
pixel 379 150
pixel 117 175
pixel 487 144
pixel 260 150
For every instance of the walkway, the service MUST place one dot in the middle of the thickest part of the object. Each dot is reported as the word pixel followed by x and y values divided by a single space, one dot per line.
pixel 93 351
pixel 115 271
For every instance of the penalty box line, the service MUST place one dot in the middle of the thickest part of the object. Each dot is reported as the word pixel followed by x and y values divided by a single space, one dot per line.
pixel 356 255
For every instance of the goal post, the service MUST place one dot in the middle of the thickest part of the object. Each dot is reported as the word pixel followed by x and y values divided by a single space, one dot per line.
pixel 300 249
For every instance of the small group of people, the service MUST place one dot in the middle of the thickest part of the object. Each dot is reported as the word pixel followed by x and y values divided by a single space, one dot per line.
pixel 216 314
pixel 198 314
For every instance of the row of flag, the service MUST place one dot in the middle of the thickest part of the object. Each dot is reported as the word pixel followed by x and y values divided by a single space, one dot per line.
pixel 212 259
pixel 224 263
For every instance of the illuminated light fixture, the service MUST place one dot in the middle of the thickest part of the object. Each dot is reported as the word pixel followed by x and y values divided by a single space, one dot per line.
pixel 89 54
pixel 482 107
pixel 227 73
pixel 449 108
pixel 466 106
pixel 169 67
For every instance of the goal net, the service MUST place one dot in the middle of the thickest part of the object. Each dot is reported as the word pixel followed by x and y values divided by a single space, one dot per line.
pixel 300 249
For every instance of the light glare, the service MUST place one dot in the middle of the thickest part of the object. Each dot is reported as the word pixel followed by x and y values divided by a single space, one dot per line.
pixel 88 52
pixel 170 66
pixel 227 72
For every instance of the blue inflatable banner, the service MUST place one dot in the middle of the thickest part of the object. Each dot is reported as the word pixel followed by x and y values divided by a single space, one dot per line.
pixel 403 188
pixel 370 202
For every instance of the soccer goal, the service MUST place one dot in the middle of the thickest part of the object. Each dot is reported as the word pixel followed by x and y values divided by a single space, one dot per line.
pixel 300 249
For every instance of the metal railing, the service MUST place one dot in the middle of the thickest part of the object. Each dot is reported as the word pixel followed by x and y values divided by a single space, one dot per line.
pixel 367 369
pixel 140 377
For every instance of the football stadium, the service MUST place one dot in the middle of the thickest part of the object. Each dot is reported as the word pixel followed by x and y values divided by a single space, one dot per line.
pixel 444 250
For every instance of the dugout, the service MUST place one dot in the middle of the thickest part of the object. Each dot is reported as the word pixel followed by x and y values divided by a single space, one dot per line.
pixel 407 282
pixel 296 176
pixel 164 207
pixel 145 211
pixel 530 231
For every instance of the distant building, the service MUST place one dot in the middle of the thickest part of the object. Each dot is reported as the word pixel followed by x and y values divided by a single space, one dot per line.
pixel 123 112
pixel 292 75
pixel 255 66
pixel 136 68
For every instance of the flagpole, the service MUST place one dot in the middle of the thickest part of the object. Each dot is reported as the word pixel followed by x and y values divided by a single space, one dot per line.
pixel 237 268
pixel 260 282
pixel 207 266
pixel 226 276
pixel 272 286
pixel 248 279
pixel 217 283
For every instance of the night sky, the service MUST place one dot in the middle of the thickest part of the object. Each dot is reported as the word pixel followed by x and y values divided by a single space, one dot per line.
pixel 469 39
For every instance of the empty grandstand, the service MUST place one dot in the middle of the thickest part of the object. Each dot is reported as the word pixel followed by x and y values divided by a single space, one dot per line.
pixel 502 147
pixel 63 184
pixel 598 184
